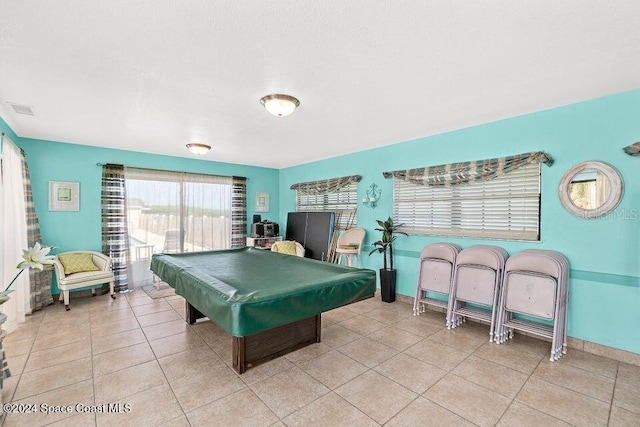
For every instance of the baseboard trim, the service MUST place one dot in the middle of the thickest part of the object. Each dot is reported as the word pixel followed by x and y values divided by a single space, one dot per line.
pixel 575 343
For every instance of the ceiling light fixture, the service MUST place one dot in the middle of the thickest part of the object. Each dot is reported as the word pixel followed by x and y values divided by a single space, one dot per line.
pixel 280 105
pixel 199 149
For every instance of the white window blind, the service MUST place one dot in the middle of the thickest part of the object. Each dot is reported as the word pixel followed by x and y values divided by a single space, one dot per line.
pixel 344 200
pixel 506 207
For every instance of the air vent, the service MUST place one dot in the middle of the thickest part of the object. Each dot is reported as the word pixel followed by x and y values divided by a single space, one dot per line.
pixel 22 109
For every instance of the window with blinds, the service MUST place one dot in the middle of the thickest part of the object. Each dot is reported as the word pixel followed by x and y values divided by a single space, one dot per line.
pixel 343 201
pixel 506 207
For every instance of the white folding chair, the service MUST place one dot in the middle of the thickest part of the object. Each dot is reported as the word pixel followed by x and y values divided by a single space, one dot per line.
pixel 435 276
pixel 477 280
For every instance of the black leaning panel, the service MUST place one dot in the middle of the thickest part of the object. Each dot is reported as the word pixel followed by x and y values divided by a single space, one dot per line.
pixel 319 229
pixel 313 230
pixel 296 226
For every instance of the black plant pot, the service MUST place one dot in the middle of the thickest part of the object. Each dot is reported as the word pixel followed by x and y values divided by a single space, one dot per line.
pixel 388 285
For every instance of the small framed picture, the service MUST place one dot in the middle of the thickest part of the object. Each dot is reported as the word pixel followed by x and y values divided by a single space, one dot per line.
pixel 64 196
pixel 262 202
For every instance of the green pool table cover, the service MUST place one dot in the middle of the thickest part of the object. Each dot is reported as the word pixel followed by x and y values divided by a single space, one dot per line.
pixel 248 290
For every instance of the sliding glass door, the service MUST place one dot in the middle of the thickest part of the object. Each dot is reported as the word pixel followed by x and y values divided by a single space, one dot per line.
pixel 174 212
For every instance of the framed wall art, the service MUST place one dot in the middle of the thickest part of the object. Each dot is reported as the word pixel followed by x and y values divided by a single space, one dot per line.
pixel 262 202
pixel 64 196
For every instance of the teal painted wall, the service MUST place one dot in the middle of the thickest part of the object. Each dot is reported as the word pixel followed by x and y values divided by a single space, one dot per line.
pixel 603 307
pixel 55 161
pixel 605 288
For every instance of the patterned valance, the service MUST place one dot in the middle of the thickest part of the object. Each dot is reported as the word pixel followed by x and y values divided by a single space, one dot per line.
pixel 326 185
pixel 633 149
pixel 465 172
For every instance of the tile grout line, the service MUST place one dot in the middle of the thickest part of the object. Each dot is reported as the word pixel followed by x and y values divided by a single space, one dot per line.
pixel 355 407
pixel 451 372
pixel 613 395
pixel 39 326
pixel 24 367
pixel 5 415
pixel 130 307
pixel 591 372
pixel 576 391
pixel 472 382
pixel 372 369
pixel 164 374
pixel 333 390
pixel 520 390
pixel 566 389
pixel 549 415
pixel 71 414
pixel 246 386
pixel 250 387
pixel 93 377
pixel 295 365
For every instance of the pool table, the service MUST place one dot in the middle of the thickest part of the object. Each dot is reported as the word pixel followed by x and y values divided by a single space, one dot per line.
pixel 270 303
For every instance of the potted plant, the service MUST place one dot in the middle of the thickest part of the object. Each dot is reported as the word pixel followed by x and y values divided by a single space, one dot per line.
pixel 384 245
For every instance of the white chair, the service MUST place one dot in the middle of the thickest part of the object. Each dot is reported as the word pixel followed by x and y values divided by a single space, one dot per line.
pixel 536 285
pixel 67 282
pixel 350 245
pixel 435 276
pixel 477 280
pixel 279 246
pixel 171 241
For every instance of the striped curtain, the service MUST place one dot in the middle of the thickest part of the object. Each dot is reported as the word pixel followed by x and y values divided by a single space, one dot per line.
pixel 239 212
pixel 466 172
pixel 325 186
pixel 115 238
pixel 40 280
pixel 5 372
pixel 633 149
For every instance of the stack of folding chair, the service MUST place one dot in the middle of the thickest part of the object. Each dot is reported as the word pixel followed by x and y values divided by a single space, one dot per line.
pixel 437 263
pixel 536 284
pixel 477 281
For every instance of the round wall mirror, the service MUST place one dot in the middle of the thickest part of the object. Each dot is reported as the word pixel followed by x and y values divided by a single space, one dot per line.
pixel 591 189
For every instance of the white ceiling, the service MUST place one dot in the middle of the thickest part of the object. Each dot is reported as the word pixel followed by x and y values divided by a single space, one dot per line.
pixel 154 75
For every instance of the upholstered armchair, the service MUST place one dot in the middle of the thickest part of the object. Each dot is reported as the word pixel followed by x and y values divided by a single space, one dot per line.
pixel 288 247
pixel 81 269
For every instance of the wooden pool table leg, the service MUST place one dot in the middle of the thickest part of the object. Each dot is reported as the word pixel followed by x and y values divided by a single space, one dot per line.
pixel 193 314
pixel 238 353
pixel 267 345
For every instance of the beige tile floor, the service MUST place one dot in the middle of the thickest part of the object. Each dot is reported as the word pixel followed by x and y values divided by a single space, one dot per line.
pixel 377 365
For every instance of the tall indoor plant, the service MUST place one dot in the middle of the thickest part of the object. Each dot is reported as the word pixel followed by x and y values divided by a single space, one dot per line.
pixel 384 246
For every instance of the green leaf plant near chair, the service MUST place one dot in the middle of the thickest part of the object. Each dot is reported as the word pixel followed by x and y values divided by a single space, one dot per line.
pixel 384 246
pixel 81 269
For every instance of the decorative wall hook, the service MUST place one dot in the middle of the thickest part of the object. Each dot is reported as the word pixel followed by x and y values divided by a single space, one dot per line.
pixel 373 195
